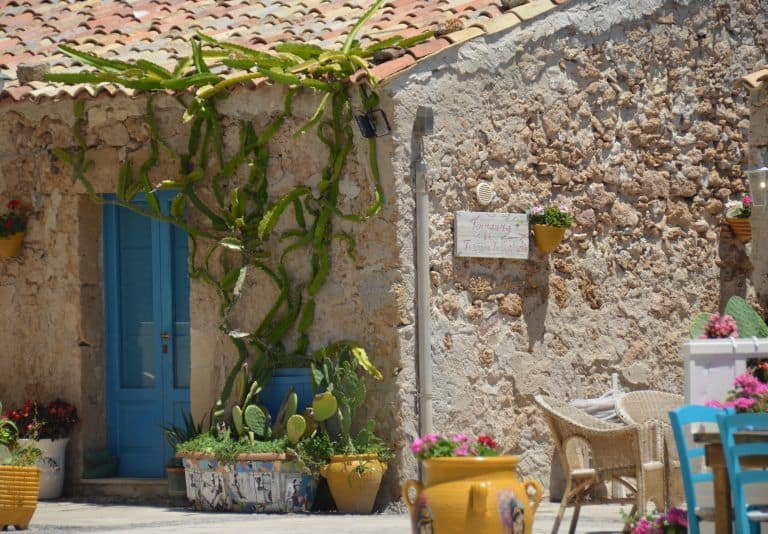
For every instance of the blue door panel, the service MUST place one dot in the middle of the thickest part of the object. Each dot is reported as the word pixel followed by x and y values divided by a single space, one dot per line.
pixel 147 305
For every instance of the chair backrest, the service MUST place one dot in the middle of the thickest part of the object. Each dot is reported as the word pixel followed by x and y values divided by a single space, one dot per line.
pixel 680 418
pixel 642 406
pixel 734 453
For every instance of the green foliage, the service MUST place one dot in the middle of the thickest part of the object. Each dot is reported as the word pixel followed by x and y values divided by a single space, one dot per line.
pixel 23 456
pixel 315 451
pixel 558 217
pixel 748 321
pixel 257 421
pixel 224 448
pixel 188 430
pixel 9 433
pixel 295 428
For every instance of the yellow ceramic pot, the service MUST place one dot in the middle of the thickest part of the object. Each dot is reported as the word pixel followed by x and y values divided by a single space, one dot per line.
pixel 354 481
pixel 11 246
pixel 19 487
pixel 742 228
pixel 547 237
pixel 471 495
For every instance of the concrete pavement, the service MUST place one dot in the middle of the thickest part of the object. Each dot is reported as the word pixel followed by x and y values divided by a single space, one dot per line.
pixel 64 516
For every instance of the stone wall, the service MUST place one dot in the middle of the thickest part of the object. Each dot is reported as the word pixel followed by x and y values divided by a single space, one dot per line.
pixel 758 149
pixel 624 111
pixel 52 320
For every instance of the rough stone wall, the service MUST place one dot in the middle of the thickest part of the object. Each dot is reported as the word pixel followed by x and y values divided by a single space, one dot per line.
pixel 758 151
pixel 53 318
pixel 624 111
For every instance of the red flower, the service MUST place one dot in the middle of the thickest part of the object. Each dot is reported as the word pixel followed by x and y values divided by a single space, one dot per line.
pixel 488 442
pixel 13 204
pixel 8 224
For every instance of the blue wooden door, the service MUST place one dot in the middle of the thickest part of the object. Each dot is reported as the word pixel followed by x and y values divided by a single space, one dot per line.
pixel 147 317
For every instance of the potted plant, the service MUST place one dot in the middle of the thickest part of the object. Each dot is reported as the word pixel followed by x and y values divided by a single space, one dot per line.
pixel 19 478
pixel 737 213
pixel 673 521
pixel 749 395
pixel 12 227
pixel 468 487
pixel 356 464
pixel 722 346
pixel 549 224
pixel 47 428
pixel 174 469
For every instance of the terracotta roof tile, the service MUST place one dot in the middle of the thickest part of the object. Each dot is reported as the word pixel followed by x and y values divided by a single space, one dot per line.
pixel 31 30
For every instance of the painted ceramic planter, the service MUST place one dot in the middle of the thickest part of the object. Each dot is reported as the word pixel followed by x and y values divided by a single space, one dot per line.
pixel 547 237
pixel 254 483
pixel 51 464
pixel 742 228
pixel 477 495
pixel 11 246
pixel 354 481
pixel 18 495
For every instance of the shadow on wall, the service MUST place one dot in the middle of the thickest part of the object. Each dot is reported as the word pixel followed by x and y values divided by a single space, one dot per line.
pixel 735 266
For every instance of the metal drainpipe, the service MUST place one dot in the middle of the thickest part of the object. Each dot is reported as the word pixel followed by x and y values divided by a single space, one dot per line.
pixel 423 125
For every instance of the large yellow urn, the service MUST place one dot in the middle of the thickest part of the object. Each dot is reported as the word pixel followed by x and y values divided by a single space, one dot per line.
pixel 477 495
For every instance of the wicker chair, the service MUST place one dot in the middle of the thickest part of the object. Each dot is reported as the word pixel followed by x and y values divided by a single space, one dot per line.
pixel 642 406
pixel 594 451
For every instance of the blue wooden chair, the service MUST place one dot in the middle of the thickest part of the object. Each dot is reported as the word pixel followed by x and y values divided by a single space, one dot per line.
pixel 680 418
pixel 748 516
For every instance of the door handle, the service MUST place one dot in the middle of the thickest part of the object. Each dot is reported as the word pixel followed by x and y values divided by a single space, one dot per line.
pixel 165 336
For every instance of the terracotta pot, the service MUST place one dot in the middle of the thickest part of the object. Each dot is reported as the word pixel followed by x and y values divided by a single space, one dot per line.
pixel 472 494
pixel 742 228
pixel 18 495
pixel 11 246
pixel 354 481
pixel 547 237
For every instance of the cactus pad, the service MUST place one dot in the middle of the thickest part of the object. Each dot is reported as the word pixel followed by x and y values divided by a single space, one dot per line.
pixel 256 420
pixel 324 406
pixel 749 322
pixel 237 419
pixel 295 427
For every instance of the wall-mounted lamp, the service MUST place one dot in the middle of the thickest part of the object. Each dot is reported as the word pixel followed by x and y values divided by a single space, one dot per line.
pixel 758 183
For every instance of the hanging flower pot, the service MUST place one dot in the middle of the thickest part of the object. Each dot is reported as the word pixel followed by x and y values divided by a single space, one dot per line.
pixel 742 228
pixel 547 237
pixel 10 246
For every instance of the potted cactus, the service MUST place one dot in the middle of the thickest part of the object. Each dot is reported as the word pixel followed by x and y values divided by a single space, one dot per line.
pixel 357 464
pixel 722 347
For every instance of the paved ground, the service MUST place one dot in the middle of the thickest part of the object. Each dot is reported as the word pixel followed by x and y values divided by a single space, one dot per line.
pixel 54 517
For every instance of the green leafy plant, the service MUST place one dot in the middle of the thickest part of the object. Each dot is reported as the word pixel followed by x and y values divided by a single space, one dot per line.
pixel 14 221
pixel 237 224
pixel 557 216
pixel 9 435
pixel 225 448
pixel 9 432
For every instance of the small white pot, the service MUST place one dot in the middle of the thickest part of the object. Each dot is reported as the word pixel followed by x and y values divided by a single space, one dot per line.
pixel 51 465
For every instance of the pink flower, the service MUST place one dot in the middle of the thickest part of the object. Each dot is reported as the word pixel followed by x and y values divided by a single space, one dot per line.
pixel 714 404
pixel 416 446
pixel 643 526
pixel 750 384
pixel 536 210
pixel 462 450
pixel 461 438
pixel 563 208
pixel 431 437
pixel 744 403
pixel 747 201
pixel 677 517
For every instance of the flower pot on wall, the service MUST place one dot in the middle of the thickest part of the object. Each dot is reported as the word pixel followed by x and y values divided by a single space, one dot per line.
pixel 51 465
pixel 547 237
pixel 742 228
pixel 11 246
pixel 354 481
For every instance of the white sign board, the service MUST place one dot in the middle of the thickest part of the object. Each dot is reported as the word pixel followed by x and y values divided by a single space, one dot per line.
pixel 491 235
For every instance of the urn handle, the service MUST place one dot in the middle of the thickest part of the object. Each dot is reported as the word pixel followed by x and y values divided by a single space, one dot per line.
pixel 478 495
pixel 407 486
pixel 538 493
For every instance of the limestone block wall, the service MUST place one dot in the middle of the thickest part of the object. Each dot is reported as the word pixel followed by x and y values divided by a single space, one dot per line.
pixel 624 111
pixel 758 149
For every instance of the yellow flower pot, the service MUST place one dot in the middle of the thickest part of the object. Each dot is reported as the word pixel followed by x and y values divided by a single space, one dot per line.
pixel 547 237
pixel 742 228
pixel 471 495
pixel 11 246
pixel 19 487
pixel 354 481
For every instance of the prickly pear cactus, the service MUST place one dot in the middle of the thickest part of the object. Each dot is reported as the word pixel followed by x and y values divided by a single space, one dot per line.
pixel 324 406
pixel 295 427
pixel 256 420
pixel 747 319
pixel 237 419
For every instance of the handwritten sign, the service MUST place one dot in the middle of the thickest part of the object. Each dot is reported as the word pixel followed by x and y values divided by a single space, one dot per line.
pixel 491 235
